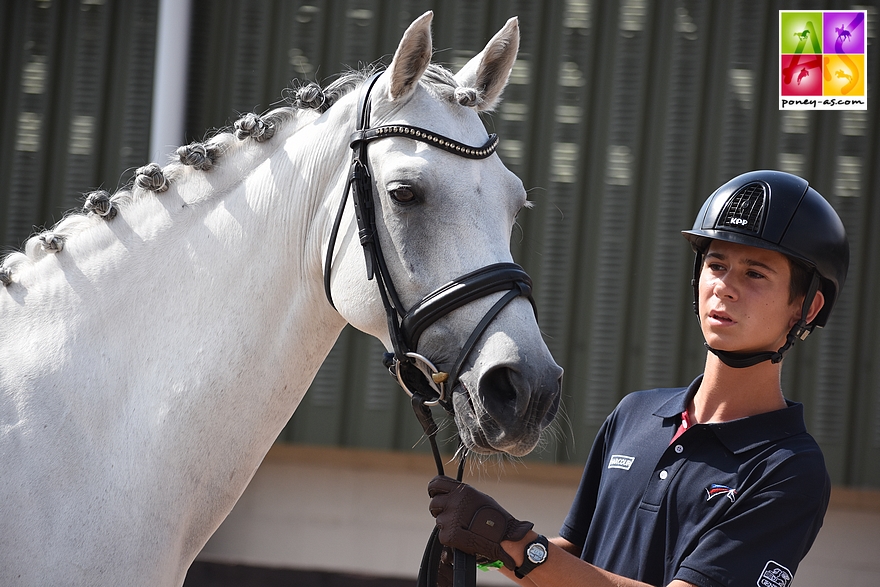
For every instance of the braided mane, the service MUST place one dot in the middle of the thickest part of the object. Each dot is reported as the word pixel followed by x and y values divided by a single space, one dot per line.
pixel 303 98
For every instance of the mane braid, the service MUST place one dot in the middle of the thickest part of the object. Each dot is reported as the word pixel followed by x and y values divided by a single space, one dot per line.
pixel 101 206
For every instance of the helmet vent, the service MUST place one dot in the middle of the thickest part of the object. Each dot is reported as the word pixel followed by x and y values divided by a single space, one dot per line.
pixel 745 209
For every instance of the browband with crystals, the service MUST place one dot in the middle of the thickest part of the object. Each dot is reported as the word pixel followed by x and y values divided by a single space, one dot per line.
pixel 426 136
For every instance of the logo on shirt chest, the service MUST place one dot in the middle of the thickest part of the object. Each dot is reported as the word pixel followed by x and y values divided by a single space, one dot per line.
pixel 717 490
pixel 620 462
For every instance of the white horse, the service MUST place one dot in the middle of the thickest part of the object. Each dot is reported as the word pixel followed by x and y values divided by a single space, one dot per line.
pixel 153 347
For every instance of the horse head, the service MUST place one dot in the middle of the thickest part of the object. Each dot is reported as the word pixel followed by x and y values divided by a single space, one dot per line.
pixel 444 207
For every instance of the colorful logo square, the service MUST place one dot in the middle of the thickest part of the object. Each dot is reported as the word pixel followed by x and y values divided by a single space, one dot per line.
pixel 843 32
pixel 800 32
pixel 844 75
pixel 801 75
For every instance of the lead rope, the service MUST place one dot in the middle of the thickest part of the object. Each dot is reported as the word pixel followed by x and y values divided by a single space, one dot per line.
pixel 464 567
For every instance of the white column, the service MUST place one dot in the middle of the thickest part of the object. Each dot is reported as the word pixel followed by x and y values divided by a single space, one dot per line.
pixel 169 79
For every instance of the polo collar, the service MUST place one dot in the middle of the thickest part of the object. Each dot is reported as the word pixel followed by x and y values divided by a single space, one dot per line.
pixel 743 434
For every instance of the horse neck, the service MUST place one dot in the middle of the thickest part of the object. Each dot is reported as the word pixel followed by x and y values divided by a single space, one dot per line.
pixel 172 342
pixel 205 301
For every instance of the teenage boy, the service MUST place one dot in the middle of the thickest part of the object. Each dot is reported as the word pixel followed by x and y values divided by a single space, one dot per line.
pixel 717 484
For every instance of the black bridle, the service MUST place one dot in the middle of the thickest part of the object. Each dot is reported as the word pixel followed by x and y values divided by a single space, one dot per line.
pixel 416 374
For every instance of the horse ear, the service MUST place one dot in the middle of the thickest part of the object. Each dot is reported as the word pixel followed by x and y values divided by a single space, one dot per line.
pixel 489 71
pixel 412 57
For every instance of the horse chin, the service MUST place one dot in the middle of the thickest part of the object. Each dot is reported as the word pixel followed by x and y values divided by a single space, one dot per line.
pixel 482 434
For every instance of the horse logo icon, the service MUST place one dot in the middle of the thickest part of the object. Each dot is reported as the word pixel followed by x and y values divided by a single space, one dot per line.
pixel 804 73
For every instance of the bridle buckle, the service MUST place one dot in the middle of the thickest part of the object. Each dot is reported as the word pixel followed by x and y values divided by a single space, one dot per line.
pixel 434 377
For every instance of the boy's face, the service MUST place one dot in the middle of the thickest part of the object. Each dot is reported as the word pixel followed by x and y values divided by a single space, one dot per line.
pixel 744 298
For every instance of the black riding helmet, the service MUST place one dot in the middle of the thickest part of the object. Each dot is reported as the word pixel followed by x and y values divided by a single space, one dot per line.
pixel 779 212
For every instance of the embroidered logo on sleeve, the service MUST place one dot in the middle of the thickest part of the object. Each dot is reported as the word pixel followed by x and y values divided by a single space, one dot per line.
pixel 715 490
pixel 620 462
pixel 775 575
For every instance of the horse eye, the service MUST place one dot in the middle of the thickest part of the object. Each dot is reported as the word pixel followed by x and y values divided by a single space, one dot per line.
pixel 402 195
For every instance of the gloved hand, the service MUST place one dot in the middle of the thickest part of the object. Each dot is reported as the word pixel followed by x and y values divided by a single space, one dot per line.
pixel 473 522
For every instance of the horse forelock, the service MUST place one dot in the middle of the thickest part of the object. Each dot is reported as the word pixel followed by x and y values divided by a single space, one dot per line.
pixel 200 157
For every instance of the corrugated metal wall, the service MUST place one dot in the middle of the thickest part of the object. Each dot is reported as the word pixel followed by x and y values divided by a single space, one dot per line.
pixel 621 117
pixel 75 104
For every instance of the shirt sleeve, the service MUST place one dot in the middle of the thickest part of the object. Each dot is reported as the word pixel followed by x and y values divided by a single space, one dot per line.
pixel 765 534
pixel 580 516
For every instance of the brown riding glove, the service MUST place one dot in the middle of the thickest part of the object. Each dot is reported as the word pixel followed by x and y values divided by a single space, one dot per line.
pixel 473 522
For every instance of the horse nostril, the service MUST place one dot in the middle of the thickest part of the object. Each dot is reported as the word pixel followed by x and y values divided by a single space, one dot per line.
pixel 498 390
pixel 513 399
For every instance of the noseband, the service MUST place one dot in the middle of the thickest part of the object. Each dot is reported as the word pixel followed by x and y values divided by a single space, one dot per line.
pixel 416 373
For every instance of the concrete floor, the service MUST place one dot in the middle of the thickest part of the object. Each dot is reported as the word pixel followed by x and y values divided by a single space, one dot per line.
pixel 365 512
pixel 847 550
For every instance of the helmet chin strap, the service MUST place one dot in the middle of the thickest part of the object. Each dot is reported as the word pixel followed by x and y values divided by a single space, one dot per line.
pixel 743 360
pixel 799 331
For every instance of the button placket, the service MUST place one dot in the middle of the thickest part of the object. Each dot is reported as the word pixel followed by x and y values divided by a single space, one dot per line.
pixel 672 460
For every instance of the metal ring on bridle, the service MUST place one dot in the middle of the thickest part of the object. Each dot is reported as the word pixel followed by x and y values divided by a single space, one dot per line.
pixel 436 378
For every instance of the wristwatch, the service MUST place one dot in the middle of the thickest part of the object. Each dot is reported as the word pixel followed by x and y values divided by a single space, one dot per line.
pixel 535 554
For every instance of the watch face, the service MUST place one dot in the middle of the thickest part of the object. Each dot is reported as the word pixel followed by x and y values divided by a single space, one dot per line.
pixel 536 553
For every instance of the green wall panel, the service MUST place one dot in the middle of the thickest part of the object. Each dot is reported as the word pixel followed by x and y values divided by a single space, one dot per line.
pixel 75 104
pixel 620 118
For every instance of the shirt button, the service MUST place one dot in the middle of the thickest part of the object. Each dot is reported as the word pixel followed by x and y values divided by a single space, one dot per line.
pixel 679 448
pixel 663 474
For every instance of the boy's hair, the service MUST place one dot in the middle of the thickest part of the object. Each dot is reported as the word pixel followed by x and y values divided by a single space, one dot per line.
pixel 801 277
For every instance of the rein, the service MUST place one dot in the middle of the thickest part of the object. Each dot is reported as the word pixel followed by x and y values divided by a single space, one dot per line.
pixel 416 374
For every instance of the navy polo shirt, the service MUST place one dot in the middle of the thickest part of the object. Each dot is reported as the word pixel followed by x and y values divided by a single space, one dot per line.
pixel 728 504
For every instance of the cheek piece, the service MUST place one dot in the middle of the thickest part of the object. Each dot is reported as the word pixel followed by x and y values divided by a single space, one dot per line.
pixel 799 331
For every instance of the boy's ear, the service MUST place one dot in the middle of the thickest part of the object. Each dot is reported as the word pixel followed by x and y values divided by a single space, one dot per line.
pixel 818 303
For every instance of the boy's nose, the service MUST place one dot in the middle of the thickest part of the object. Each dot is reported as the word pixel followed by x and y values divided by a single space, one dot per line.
pixel 724 288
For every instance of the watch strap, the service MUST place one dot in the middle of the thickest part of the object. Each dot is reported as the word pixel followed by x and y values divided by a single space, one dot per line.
pixel 528 564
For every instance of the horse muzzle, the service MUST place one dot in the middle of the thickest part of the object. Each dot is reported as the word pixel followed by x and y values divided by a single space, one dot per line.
pixel 505 406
